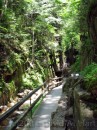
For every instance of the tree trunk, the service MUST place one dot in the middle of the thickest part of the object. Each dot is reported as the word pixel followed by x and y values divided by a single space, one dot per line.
pixel 53 61
pixel 60 53
pixel 92 25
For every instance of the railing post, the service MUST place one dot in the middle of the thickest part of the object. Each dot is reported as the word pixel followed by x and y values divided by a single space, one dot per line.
pixel 48 84
pixel 43 91
pixel 30 106
pixel 17 105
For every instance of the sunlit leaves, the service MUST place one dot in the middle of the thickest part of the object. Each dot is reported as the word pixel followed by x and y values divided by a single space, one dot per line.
pixel 69 15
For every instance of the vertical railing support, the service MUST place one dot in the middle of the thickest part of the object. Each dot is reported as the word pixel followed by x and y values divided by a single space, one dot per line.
pixel 30 106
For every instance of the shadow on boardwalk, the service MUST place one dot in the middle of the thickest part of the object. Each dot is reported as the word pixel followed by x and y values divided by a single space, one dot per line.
pixel 41 120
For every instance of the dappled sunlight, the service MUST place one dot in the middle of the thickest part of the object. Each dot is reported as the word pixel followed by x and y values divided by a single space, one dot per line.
pixel 41 119
pixel 42 42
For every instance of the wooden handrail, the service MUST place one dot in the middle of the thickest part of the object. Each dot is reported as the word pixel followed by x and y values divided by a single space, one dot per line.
pixel 16 106
pixel 21 117
pixel 56 78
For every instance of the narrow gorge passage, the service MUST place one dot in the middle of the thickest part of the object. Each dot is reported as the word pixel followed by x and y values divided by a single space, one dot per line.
pixel 41 120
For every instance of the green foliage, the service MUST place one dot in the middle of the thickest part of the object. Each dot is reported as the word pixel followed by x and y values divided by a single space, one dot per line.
pixel 32 79
pixel 76 66
pixel 29 31
pixel 90 76
pixel 27 27
pixel 70 29
pixel 93 107
pixel 87 47
pixel 7 88
pixel 2 85
pixel 12 89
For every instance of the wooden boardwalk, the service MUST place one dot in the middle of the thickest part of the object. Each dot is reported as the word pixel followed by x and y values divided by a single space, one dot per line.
pixel 41 120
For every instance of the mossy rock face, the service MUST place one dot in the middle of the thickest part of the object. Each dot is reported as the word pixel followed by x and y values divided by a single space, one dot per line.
pixel 16 76
pixel 12 67
pixel 95 113
pixel 85 111
pixel 4 95
pixel 10 56
pixel 7 92
pixel 67 85
pixel 94 92
pixel 4 56
pixel 70 82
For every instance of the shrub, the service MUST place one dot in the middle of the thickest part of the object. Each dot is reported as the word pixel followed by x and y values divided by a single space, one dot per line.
pixel 90 76
pixel 76 66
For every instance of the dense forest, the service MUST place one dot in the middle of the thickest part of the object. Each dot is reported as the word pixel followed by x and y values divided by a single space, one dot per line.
pixel 38 37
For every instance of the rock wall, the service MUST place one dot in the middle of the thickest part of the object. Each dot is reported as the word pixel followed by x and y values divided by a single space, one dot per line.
pixel 58 117
pixel 12 67
pixel 84 111
pixel 62 118
pixel 75 110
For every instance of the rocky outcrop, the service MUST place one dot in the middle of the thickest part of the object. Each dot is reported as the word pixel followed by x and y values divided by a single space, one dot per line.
pixel 58 121
pixel 12 65
pixel 75 110
pixel 62 118
pixel 84 113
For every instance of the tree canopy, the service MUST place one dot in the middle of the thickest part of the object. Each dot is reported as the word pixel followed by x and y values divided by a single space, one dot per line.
pixel 35 34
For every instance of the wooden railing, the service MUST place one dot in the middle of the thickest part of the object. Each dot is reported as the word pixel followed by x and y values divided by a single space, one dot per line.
pixel 44 87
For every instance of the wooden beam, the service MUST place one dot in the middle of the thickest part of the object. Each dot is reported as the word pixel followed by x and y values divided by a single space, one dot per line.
pixel 21 117
pixel 16 106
